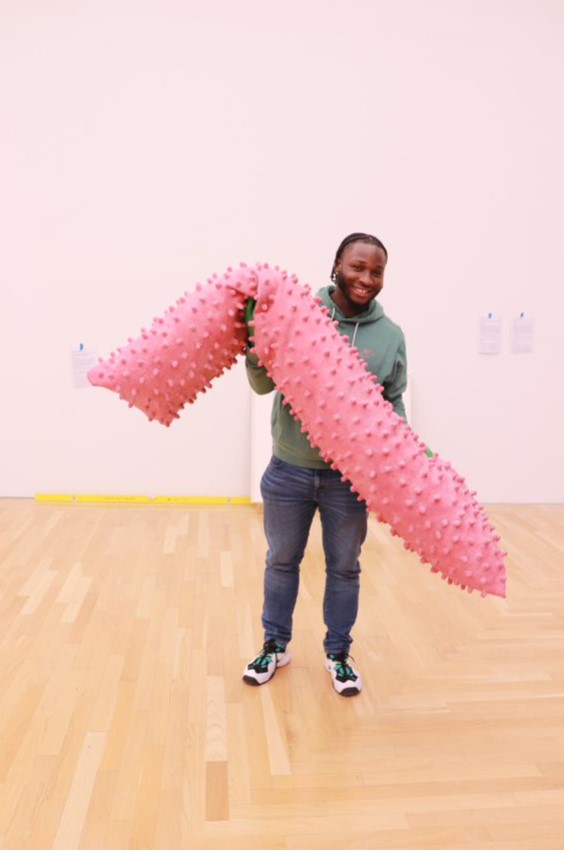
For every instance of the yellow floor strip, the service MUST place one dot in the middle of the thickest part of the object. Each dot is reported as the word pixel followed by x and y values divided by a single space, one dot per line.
pixel 120 499
pixel 191 500
pixel 157 500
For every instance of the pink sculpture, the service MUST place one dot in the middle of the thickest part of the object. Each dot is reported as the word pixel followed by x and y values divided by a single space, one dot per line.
pixel 332 393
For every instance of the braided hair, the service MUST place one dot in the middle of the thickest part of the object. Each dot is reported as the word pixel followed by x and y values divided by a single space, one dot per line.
pixel 356 237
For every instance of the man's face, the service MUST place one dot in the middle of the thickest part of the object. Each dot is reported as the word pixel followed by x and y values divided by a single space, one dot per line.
pixel 360 277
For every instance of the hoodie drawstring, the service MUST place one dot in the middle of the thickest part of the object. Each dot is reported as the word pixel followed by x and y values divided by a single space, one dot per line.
pixel 355 327
pixel 354 334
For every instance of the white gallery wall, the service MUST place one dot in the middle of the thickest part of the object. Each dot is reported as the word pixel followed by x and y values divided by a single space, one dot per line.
pixel 145 145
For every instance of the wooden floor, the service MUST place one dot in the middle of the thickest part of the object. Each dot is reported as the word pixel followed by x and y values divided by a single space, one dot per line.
pixel 124 722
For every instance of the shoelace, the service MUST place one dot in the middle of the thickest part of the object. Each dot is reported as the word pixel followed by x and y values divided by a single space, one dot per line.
pixel 264 658
pixel 344 670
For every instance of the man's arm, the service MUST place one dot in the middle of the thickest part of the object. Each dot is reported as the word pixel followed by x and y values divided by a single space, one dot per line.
pixel 395 387
pixel 257 375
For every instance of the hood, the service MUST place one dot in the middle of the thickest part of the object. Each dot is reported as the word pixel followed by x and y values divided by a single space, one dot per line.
pixel 375 310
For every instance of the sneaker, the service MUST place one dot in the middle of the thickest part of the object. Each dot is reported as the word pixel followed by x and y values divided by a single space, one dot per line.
pixel 262 668
pixel 346 680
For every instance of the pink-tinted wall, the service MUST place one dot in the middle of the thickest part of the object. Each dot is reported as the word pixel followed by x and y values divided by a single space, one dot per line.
pixel 144 145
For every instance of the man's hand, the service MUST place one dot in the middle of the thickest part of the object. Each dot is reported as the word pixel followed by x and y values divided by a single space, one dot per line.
pixel 248 316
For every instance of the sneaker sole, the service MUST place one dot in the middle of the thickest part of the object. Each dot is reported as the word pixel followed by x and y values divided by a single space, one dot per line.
pixel 348 692
pixel 250 681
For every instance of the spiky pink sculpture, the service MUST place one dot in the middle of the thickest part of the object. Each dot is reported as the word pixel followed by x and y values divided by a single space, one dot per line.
pixel 332 393
pixel 177 358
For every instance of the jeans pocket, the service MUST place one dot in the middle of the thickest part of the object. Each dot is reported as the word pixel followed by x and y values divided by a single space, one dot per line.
pixel 276 480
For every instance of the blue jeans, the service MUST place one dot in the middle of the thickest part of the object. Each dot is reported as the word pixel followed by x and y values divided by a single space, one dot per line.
pixel 291 495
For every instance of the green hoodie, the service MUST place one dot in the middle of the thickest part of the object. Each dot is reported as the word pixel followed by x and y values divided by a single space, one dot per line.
pixel 378 340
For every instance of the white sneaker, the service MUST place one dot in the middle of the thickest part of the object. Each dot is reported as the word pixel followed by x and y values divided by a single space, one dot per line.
pixel 262 668
pixel 346 680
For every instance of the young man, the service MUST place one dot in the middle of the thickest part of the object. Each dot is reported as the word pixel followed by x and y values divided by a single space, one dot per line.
pixel 298 481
